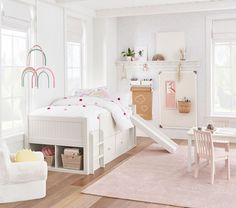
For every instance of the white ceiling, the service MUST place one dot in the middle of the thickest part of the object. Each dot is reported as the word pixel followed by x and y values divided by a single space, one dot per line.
pixel 113 4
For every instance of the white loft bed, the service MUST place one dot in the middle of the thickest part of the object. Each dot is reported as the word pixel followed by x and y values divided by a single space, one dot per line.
pixel 99 146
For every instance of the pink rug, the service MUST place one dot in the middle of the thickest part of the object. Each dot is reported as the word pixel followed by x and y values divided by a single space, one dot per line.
pixel 155 176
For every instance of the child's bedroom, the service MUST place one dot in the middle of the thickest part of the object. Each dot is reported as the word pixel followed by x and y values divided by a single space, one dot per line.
pixel 117 104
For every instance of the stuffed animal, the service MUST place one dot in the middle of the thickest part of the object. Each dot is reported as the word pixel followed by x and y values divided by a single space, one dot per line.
pixel 25 155
pixel 48 151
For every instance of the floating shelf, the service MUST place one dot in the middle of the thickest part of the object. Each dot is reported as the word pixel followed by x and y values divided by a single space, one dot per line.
pixel 158 64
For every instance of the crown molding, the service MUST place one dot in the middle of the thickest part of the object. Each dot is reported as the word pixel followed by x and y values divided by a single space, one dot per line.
pixel 168 9
pixel 76 10
pixel 79 9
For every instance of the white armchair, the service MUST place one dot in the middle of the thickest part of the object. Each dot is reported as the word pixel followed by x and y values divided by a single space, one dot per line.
pixel 21 181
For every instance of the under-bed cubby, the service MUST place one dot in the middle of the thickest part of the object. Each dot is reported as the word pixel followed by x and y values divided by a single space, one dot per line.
pixel 58 163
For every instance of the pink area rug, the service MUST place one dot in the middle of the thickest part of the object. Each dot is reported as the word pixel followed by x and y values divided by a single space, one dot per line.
pixel 156 176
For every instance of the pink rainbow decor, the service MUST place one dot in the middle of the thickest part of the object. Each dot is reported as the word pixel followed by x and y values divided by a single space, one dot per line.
pixel 38 72
pixel 39 49
pixel 45 70
pixel 26 71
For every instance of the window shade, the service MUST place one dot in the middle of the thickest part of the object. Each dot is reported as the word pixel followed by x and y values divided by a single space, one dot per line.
pixel 15 14
pixel 224 29
pixel 74 30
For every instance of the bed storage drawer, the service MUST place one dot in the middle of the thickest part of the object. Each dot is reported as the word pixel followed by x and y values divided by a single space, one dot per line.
pixel 121 142
pixel 109 149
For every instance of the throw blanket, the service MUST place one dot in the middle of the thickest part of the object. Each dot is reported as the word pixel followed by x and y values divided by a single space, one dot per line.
pixel 120 114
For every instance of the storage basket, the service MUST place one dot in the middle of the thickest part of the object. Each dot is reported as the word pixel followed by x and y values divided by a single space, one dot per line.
pixel 184 107
pixel 72 162
pixel 49 160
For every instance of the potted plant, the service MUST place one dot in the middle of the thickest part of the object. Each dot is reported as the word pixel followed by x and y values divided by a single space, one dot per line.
pixel 184 105
pixel 129 54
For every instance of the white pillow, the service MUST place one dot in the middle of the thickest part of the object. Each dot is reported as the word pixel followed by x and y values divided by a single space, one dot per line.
pixel 83 92
pixel 94 92
pixel 123 98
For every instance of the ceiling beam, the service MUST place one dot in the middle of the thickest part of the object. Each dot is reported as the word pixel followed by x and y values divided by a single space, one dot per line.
pixel 168 9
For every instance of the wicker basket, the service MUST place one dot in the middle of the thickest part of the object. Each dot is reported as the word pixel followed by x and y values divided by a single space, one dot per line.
pixel 72 162
pixel 184 107
pixel 49 160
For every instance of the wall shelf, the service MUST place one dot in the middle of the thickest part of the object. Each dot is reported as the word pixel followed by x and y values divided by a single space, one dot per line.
pixel 158 64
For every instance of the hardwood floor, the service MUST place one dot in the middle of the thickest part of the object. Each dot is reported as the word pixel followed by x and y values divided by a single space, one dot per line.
pixel 64 190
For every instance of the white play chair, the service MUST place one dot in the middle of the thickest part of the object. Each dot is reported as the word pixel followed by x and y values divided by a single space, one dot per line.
pixel 23 180
pixel 205 149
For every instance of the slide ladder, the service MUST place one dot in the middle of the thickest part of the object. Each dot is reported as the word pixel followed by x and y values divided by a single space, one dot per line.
pixel 154 133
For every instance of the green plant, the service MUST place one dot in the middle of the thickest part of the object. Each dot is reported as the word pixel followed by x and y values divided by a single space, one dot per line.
pixel 130 53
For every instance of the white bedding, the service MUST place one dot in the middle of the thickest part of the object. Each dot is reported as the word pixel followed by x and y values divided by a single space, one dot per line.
pixel 90 108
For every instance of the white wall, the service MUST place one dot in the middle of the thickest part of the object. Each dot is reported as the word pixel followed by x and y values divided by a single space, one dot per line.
pixel 105 52
pixel 141 30
pixel 50 36
pixel 111 53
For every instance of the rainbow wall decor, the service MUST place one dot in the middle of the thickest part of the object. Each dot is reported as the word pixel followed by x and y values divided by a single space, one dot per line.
pixel 36 73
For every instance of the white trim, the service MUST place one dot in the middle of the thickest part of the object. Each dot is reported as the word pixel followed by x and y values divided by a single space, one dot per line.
pixel 76 14
pixel 82 12
pixel 168 9
pixel 65 14
pixel 208 81
pixel 222 16
pixel 1 8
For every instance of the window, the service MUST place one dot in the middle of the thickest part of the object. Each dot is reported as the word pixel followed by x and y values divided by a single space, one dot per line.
pixel 223 66
pixel 74 45
pixel 224 77
pixel 73 66
pixel 13 56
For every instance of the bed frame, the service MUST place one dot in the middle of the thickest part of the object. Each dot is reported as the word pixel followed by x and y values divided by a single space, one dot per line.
pixel 98 147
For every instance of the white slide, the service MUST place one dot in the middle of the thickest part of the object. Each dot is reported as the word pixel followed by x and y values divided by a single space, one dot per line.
pixel 154 133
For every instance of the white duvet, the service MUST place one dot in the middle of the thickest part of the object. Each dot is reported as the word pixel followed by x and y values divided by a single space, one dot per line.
pixel 90 108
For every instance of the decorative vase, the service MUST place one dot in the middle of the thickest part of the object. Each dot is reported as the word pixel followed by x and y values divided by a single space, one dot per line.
pixel 128 58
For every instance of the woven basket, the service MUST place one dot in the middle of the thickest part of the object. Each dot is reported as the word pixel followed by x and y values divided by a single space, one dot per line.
pixel 49 160
pixel 184 107
pixel 72 162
